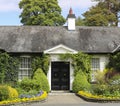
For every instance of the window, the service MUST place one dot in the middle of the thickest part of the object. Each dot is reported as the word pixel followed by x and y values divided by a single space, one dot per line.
pixel 95 66
pixel 25 67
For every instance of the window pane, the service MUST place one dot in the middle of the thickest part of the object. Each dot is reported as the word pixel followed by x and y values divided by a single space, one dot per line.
pixel 25 67
pixel 95 65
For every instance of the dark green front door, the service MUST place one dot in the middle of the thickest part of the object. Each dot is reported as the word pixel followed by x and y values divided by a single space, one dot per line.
pixel 60 76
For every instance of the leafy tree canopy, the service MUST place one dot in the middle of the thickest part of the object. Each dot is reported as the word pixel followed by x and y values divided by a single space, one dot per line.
pixel 112 5
pixel 41 12
pixel 99 16
pixel 79 21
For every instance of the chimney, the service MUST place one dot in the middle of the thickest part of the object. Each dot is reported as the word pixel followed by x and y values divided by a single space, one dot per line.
pixel 71 20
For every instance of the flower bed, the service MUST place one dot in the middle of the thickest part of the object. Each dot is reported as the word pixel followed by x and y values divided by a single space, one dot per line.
pixel 24 100
pixel 97 98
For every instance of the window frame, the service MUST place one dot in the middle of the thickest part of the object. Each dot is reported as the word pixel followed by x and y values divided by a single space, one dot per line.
pixel 95 67
pixel 24 67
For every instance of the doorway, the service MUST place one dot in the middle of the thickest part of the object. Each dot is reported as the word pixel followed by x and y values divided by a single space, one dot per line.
pixel 60 76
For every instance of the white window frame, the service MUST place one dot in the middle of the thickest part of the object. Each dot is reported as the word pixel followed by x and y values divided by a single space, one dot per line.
pixel 24 68
pixel 95 67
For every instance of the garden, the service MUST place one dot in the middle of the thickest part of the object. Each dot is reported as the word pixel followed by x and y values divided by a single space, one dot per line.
pixel 106 88
pixel 30 89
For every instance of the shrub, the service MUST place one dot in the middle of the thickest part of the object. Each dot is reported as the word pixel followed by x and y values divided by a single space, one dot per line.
pixel 4 93
pixel 80 82
pixel 39 82
pixel 7 92
pixel 100 89
pixel 100 76
pixel 12 92
pixel 41 78
pixel 29 84
pixel 115 80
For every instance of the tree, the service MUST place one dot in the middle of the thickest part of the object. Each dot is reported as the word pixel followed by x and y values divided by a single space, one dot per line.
pixel 41 12
pixel 113 6
pixel 99 16
pixel 79 21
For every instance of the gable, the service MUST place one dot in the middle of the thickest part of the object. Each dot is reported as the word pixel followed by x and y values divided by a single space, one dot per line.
pixel 60 49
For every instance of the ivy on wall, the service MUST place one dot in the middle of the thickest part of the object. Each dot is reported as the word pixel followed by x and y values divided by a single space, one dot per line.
pixel 114 62
pixel 40 62
pixel 9 67
pixel 80 62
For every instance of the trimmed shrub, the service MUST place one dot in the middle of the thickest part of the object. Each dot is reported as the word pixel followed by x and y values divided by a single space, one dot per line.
pixel 39 82
pixel 80 82
pixel 41 78
pixel 12 92
pixel 4 93
pixel 7 92
pixel 29 84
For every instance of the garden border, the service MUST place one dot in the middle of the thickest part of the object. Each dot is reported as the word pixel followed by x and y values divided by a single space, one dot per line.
pixel 98 100
pixel 24 103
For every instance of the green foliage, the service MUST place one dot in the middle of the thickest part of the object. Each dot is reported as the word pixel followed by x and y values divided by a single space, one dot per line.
pixel 7 92
pixel 79 21
pixel 80 82
pixel 100 76
pixel 112 6
pixel 12 92
pixel 80 61
pixel 100 89
pixel 106 90
pixel 4 93
pixel 99 16
pixel 40 77
pixel 8 68
pixel 40 62
pixel 114 62
pixel 29 84
pixel 41 12
pixel 115 80
pixel 38 82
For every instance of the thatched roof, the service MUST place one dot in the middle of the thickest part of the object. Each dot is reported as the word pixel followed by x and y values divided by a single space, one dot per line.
pixel 40 38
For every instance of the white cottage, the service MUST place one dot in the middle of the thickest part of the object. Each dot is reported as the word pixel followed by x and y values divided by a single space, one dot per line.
pixel 54 40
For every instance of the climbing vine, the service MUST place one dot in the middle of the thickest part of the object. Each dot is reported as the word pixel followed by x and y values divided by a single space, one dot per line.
pixel 40 62
pixel 80 61
pixel 9 67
